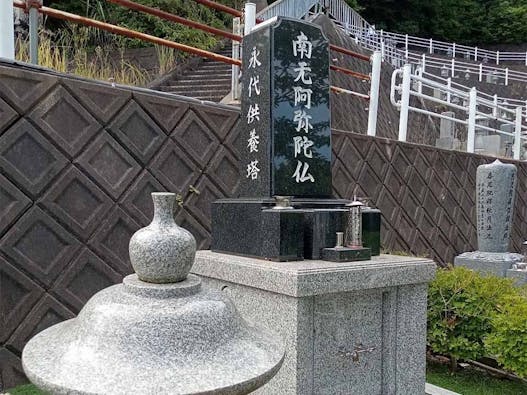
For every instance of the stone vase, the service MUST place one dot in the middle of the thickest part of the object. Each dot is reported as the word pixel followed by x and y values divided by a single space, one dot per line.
pixel 162 252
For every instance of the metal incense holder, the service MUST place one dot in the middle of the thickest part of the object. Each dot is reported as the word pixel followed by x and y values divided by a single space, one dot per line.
pixel 353 235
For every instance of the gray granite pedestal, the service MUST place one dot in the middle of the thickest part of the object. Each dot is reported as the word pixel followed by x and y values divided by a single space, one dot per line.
pixel 496 263
pixel 350 327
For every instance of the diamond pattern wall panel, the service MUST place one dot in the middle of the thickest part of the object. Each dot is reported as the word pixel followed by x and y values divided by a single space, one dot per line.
pixel 165 110
pixel 12 203
pixel 77 202
pixel 196 138
pixel 23 88
pixel 134 128
pixel 109 164
pixel 65 121
pixel 39 245
pixel 87 275
pixel 111 240
pixel 101 100
pixel 28 158
pixel 79 159
pixel 7 115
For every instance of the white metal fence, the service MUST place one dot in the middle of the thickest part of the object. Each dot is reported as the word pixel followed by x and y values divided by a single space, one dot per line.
pixel 478 107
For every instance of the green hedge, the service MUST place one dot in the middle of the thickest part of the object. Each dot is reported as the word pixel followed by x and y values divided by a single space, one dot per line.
pixel 472 316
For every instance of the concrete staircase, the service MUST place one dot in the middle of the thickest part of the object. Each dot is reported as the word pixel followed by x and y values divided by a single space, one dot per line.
pixel 209 80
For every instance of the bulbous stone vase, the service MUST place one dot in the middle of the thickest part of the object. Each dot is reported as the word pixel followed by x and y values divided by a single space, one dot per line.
pixel 162 252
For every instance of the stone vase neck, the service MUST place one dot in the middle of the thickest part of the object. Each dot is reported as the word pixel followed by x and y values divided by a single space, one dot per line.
pixel 163 209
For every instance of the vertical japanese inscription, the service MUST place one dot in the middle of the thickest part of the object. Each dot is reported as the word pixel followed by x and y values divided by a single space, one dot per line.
pixel 285 140
pixel 301 118
pixel 254 138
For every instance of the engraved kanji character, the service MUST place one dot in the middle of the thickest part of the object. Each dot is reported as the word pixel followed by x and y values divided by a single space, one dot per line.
pixel 304 176
pixel 301 70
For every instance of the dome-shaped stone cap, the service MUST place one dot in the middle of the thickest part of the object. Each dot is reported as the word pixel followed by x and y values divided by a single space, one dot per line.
pixel 153 339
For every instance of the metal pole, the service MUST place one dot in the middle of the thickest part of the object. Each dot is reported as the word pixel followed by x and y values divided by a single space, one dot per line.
pixel 406 46
pixel 449 86
pixel 376 60
pixel 497 57
pixel 424 62
pixel 432 47
pixel 405 101
pixel 475 54
pixel 480 72
pixel 495 107
pixel 471 137
pixel 453 68
pixel 250 17
pixel 33 33
pixel 454 50
pixel 7 30
pixel 506 76
pixel 517 134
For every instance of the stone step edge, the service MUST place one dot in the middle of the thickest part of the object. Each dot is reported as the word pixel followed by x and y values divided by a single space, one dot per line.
pixel 431 389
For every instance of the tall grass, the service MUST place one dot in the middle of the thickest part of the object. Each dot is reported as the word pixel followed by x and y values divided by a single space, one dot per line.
pixel 71 50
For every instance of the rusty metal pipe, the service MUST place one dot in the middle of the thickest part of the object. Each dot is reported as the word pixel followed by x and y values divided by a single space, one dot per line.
pixel 174 18
pixel 224 8
pixel 338 90
pixel 350 72
pixel 336 48
pixel 130 33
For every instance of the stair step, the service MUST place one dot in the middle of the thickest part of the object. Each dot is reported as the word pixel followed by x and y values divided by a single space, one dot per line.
pixel 215 68
pixel 206 77
pixel 208 72
pixel 202 92
pixel 193 88
pixel 187 80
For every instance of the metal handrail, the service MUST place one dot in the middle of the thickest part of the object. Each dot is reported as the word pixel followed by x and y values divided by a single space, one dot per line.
pixel 128 32
pixel 471 103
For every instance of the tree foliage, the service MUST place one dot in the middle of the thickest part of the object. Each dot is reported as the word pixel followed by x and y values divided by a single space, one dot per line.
pixel 462 21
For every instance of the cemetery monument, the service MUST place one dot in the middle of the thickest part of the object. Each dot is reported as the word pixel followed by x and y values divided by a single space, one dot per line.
pixel 495 193
pixel 351 326
pixel 158 332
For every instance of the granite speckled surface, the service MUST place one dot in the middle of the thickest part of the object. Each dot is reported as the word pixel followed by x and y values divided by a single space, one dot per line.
pixel 349 328
pixel 155 338
pixel 123 342
pixel 162 252
pixel 312 277
pixel 496 263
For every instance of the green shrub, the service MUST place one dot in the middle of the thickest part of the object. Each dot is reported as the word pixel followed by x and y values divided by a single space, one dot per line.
pixel 508 340
pixel 461 305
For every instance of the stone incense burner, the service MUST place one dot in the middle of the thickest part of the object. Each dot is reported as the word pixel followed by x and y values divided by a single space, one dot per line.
pixel 158 332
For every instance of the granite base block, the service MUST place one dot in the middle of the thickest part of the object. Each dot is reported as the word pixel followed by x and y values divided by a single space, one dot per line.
pixel 350 328
pixel 496 263
pixel 320 230
pixel 345 254
pixel 519 276
pixel 250 229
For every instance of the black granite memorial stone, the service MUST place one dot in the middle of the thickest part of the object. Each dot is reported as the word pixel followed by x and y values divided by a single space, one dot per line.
pixel 285 143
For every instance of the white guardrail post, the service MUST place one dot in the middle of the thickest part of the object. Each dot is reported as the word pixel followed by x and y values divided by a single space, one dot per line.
pixel 236 54
pixel 249 18
pixel 471 136
pixel 7 30
pixel 517 134
pixel 376 60
pixel 405 101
